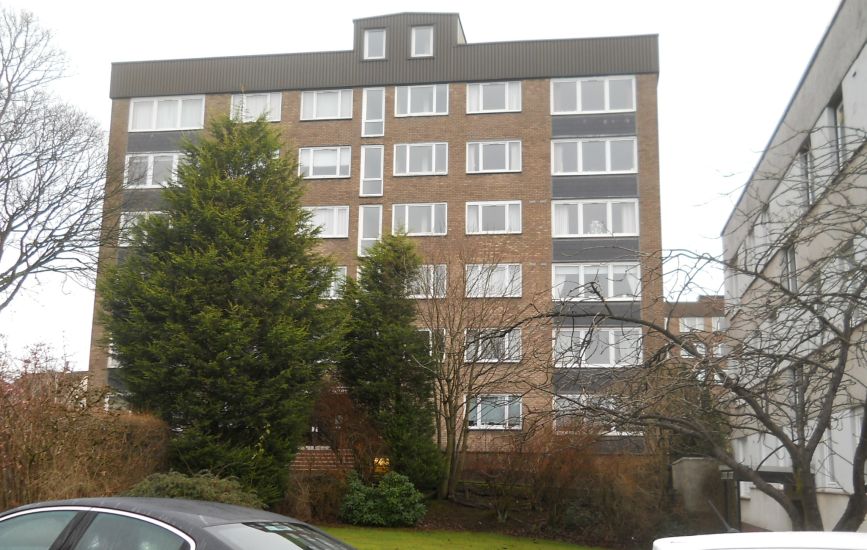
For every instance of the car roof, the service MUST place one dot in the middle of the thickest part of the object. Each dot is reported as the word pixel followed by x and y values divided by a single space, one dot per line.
pixel 801 540
pixel 184 514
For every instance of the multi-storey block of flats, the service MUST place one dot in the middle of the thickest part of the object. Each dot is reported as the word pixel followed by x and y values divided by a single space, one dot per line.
pixel 795 247
pixel 524 171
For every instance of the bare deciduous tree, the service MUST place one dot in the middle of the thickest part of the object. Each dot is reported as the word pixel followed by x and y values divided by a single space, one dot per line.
pixel 479 347
pixel 789 382
pixel 52 164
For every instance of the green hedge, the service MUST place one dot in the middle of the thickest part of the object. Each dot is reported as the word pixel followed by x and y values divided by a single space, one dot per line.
pixel 393 502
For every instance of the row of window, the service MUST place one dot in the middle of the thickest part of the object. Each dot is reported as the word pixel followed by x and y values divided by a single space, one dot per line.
pixel 505 412
pixel 591 218
pixel 570 282
pixel 569 96
pixel 420 43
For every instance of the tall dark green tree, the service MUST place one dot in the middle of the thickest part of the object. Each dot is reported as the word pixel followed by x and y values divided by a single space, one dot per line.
pixel 215 314
pixel 386 364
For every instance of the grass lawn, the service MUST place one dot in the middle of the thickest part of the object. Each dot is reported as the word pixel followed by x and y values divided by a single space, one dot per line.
pixel 366 538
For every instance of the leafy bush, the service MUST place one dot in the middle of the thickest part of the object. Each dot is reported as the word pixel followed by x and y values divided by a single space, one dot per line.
pixel 203 486
pixel 315 496
pixel 393 502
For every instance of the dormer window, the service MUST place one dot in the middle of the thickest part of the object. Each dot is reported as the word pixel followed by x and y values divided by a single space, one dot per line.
pixel 422 41
pixel 374 44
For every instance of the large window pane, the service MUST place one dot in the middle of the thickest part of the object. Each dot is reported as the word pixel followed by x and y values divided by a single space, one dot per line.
pixel 142 115
pixel 622 155
pixel 494 217
pixel 167 114
pixel 421 99
pixel 565 98
pixel 420 219
pixel 442 158
pixel 374 44
pixel 596 282
pixel 625 281
pixel 593 156
pixel 191 113
pixel 565 157
pixel 598 348
pixel 565 219
pixel 324 162
pixel 593 95
pixel 595 218
pixel 327 104
pixel 494 156
pixel 137 170
pixel 420 160
pixel 625 219
pixel 163 167
pixel 422 41
pixel 494 96
pixel 371 179
pixel 567 282
pixel 620 96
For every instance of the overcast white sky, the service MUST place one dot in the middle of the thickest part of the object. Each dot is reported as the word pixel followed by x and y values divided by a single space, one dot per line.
pixel 727 72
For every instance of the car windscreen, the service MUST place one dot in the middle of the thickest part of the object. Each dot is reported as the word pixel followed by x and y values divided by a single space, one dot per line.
pixel 273 535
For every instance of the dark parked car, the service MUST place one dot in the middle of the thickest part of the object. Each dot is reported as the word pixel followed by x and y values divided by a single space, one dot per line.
pixel 126 523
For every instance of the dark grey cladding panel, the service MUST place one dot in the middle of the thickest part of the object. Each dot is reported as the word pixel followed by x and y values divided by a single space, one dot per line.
pixel 596 250
pixel 583 313
pixel 582 380
pixel 143 200
pixel 566 321
pixel 453 61
pixel 157 142
pixel 573 126
pixel 594 187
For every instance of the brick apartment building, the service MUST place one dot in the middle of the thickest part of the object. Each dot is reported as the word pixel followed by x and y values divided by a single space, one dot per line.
pixel 535 162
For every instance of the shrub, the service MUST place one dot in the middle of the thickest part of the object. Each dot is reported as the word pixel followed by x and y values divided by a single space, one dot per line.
pixel 393 502
pixel 57 440
pixel 203 486
pixel 315 496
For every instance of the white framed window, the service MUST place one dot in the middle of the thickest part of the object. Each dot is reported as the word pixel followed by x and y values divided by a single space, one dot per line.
pixel 494 412
pixel 422 41
pixel 436 341
pixel 493 280
pixel 691 324
pixel 700 348
pixel 600 347
pixel 371 170
pixel 718 324
pixel 615 281
pixel 326 104
pixel 431 282
pixel 420 219
pixel 335 289
pixel 789 269
pixel 494 97
pixel 493 156
pixel 324 162
pixel 369 226
pixel 422 100
pixel 167 113
pixel 332 221
pixel 249 107
pixel 491 345
pixel 594 218
pixel 128 220
pixel 374 44
pixel 150 169
pixel 373 112
pixel 421 159
pixel 593 156
pixel 613 94
pixel 493 217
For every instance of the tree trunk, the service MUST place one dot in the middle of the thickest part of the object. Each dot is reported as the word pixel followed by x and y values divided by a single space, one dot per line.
pixel 449 455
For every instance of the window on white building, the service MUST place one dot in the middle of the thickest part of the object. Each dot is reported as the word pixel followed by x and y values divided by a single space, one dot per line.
pixel 593 156
pixel 493 156
pixel 369 226
pixel 373 112
pixel 419 219
pixel 421 159
pixel 422 100
pixel 150 169
pixel 493 280
pixel 493 217
pixel 493 345
pixel 324 162
pixel 597 218
pixel 167 113
pixel 431 282
pixel 371 170
pixel 691 324
pixel 249 107
pixel 571 96
pixel 326 104
pixel 422 41
pixel 493 97
pixel 332 221
pixel 374 44
pixel 616 281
